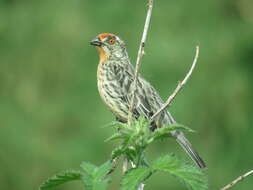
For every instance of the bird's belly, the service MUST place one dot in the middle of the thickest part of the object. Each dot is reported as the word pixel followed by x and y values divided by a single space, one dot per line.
pixel 118 107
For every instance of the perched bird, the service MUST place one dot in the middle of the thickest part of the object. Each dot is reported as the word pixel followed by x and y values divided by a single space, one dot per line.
pixel 115 79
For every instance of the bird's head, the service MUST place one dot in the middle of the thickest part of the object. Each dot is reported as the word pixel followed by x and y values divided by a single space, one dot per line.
pixel 109 46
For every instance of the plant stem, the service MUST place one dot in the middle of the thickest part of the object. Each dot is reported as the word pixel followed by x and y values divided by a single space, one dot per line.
pixel 139 157
pixel 140 55
pixel 240 178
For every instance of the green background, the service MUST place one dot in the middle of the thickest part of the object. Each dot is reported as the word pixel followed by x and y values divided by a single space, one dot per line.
pixel 51 114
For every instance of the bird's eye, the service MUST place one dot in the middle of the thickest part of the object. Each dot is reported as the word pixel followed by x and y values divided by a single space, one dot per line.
pixel 111 41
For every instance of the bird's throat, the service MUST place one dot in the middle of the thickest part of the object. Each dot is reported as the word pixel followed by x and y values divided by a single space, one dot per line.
pixel 102 54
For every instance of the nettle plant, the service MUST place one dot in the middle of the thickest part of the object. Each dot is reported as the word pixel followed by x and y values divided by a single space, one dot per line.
pixel 134 140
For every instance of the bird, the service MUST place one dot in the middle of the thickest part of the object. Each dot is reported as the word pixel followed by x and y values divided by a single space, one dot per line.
pixel 115 80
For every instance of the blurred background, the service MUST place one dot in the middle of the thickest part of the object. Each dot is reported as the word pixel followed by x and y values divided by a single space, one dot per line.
pixel 51 114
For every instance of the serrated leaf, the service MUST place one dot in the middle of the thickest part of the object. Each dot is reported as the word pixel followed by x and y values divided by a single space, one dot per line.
pixel 191 176
pixel 179 127
pixel 87 181
pixel 123 126
pixel 93 176
pixel 101 185
pixel 61 178
pixel 129 151
pixel 164 132
pixel 88 168
pixel 94 184
pixel 116 136
pixel 103 170
pixel 111 124
pixel 159 136
pixel 134 177
pixel 118 152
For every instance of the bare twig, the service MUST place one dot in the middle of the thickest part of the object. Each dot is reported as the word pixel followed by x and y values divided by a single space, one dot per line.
pixel 179 86
pixel 114 166
pixel 240 178
pixel 137 68
pixel 139 56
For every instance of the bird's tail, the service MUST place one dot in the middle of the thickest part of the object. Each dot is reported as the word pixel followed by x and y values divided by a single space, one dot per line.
pixel 186 145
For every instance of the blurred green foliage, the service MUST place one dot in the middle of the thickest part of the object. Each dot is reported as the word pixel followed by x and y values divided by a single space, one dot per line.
pixel 52 117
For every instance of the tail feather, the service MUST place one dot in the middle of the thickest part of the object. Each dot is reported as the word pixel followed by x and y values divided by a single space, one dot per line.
pixel 186 145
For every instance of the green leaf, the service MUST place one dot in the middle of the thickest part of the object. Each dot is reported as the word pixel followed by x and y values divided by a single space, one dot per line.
pixel 118 152
pixel 116 136
pixel 101 185
pixel 94 177
pixel 134 177
pixel 159 134
pixel 164 132
pixel 122 126
pixel 111 124
pixel 88 168
pixel 191 176
pixel 87 181
pixel 130 152
pixel 103 170
pixel 61 178
pixel 179 127
pixel 95 184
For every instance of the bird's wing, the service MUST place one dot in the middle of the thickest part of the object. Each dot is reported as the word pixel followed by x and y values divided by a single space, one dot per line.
pixel 147 100
pixel 156 103
pixel 123 82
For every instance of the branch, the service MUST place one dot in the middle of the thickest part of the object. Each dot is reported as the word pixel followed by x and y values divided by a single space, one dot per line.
pixel 139 56
pixel 125 165
pixel 137 68
pixel 179 86
pixel 240 178
pixel 114 166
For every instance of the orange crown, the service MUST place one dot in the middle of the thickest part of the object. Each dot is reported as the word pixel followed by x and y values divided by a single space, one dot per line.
pixel 104 35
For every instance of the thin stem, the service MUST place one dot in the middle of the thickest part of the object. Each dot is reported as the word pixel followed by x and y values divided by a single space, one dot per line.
pixel 114 165
pixel 240 178
pixel 139 56
pixel 139 158
pixel 179 87
pixel 125 165
pixel 137 68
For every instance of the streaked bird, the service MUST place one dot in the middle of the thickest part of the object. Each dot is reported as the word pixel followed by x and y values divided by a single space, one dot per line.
pixel 115 79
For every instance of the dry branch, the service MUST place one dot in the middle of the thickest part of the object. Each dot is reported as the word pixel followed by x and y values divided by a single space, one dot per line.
pixel 240 178
pixel 137 68
pixel 139 56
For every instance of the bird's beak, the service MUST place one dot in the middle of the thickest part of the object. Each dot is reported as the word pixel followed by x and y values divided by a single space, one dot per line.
pixel 96 42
